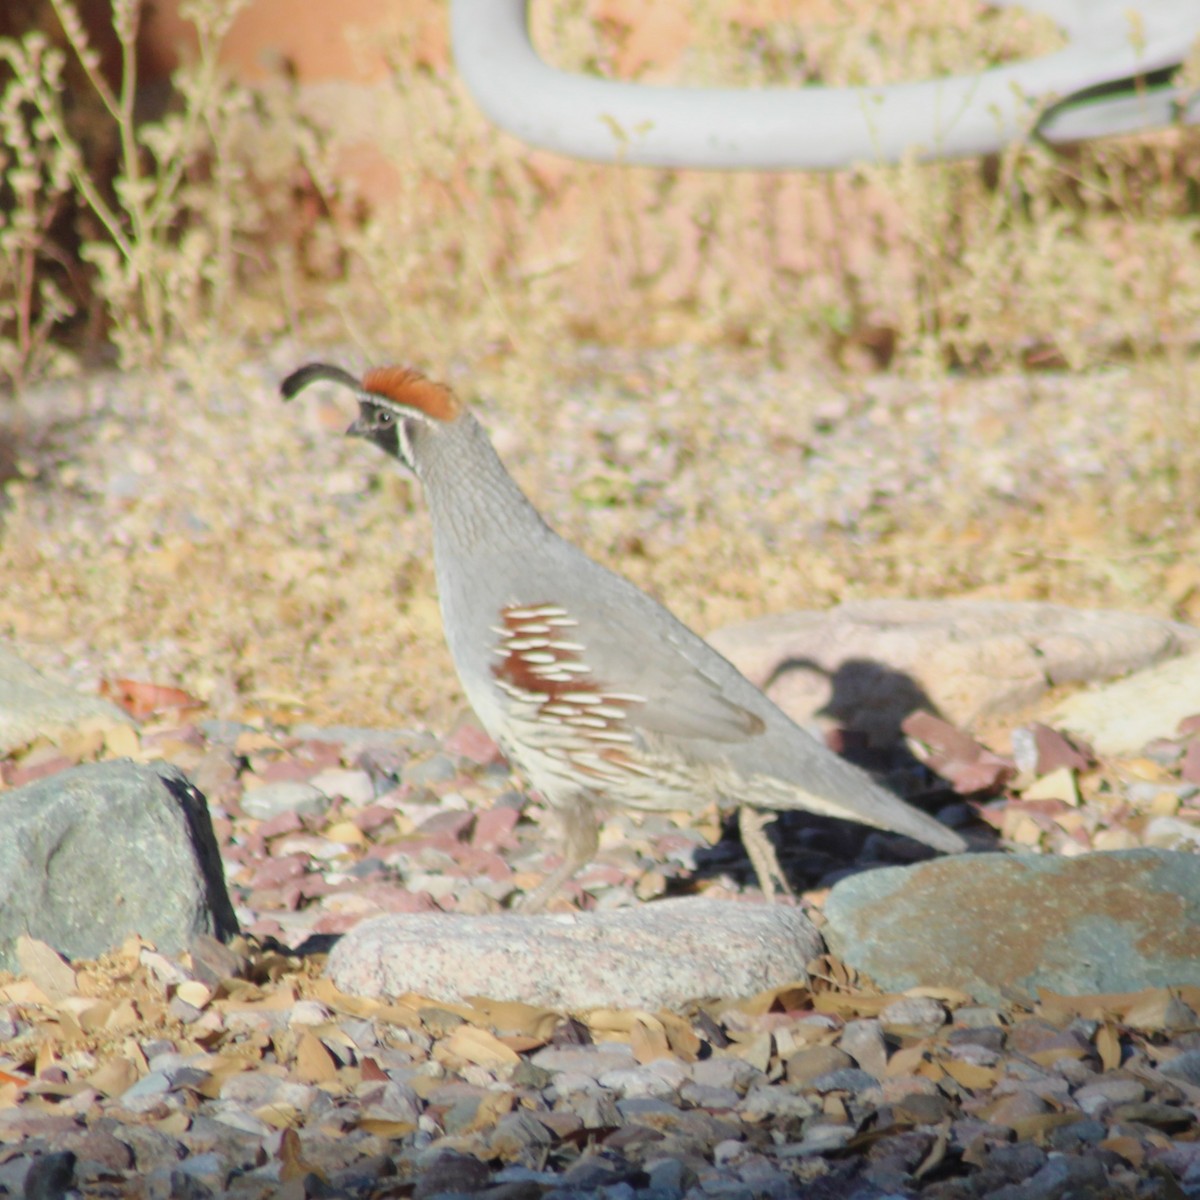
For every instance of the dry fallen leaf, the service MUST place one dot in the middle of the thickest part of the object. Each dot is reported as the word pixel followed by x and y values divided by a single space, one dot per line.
pixel 141 700
pixel 513 1017
pixel 292 1163
pixel 479 1046
pixel 23 991
pixel 1129 1148
pixel 279 1116
pixel 648 1039
pixel 393 1130
pixel 174 1123
pixel 492 1106
pixel 45 967
pixel 931 1070
pixel 345 832
pixel 121 741
pixel 1108 1046
pixel 1027 1128
pixel 1059 784
pixel 314 1063
pixel 680 1036
pixel 195 993
pixel 113 1077
pixel 937 1152
pixel 970 1075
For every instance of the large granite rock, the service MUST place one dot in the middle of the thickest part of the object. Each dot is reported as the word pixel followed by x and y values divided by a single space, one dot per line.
pixel 991 924
pixel 868 664
pixel 94 854
pixel 660 955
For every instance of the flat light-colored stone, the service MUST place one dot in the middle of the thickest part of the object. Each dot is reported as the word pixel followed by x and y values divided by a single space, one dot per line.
pixel 355 787
pixel 987 923
pixel 656 955
pixel 868 664
pixel 32 706
pixel 1121 717
pixel 284 795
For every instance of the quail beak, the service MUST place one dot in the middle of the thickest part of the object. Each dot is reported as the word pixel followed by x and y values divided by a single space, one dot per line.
pixel 358 428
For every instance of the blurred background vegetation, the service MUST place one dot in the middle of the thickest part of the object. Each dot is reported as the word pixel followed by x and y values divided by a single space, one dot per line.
pixel 747 391
pixel 149 216
pixel 185 184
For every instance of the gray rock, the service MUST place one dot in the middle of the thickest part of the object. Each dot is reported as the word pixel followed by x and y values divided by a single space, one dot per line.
pixel 209 1168
pixel 285 795
pixel 1185 1066
pixel 976 1016
pixel 806 1065
pixel 1106 1092
pixel 863 1041
pixel 868 664
pixel 590 1060
pixel 729 1072
pixel 1105 922
pixel 519 1137
pixel 1171 832
pixel 33 706
pixel 1123 716
pixel 636 1082
pixel 355 787
pixel 701 1095
pixel 96 853
pixel 13 1173
pixel 848 1079
pixel 913 1016
pixel 658 955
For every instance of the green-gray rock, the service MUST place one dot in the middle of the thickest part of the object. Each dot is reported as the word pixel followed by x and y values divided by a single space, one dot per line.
pixel 101 851
pixel 996 925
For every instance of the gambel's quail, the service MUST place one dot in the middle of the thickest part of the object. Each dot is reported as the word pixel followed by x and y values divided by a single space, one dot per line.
pixel 592 689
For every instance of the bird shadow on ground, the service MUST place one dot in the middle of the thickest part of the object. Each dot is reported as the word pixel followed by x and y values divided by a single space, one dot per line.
pixel 868 703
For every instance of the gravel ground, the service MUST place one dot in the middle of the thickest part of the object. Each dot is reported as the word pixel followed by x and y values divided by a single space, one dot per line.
pixel 240 1071
pixel 201 536
pixel 196 532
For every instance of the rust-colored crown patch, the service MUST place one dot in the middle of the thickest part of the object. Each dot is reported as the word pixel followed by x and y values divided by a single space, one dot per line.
pixel 403 385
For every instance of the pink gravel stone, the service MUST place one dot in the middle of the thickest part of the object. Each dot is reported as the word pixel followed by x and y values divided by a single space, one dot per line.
pixel 285 822
pixel 455 824
pixel 276 871
pixel 290 769
pixel 494 829
pixel 470 742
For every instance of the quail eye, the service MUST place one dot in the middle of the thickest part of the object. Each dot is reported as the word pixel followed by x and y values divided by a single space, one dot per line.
pixel 385 418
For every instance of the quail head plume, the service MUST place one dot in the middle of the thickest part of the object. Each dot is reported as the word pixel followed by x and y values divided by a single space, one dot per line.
pixel 593 690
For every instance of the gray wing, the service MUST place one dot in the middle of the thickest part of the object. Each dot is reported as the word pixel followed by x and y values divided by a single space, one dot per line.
pixel 684 687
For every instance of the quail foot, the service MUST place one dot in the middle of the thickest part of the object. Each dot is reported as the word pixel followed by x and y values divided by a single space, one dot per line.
pixel 594 691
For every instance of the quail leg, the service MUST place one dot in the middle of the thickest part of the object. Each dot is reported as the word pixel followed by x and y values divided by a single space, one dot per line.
pixel 752 823
pixel 581 840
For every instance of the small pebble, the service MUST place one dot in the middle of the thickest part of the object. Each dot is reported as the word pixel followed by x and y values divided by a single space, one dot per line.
pixel 271 799
pixel 913 1016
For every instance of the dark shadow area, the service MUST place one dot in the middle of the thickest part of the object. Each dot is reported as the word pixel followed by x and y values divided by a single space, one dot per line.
pixel 869 701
